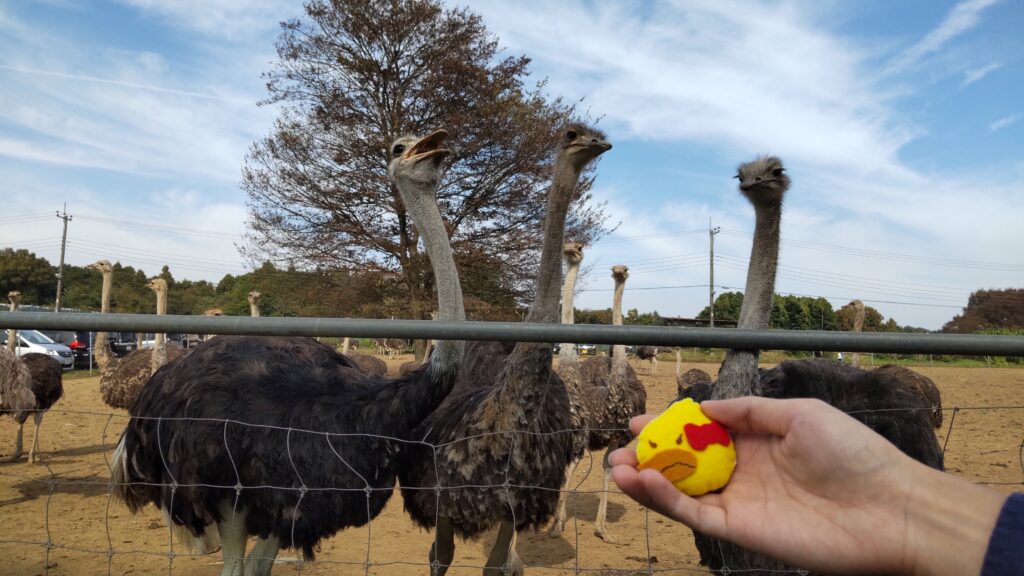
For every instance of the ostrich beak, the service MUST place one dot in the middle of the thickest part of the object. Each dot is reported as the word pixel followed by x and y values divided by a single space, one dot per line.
pixel 428 147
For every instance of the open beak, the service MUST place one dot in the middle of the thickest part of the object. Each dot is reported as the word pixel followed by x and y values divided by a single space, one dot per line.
pixel 428 147
pixel 599 144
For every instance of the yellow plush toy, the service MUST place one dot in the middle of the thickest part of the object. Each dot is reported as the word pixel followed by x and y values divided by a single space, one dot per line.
pixel 693 451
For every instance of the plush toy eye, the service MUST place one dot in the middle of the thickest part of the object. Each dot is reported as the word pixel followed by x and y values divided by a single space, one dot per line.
pixel 398 149
pixel 571 135
pixel 777 172
pixel 652 443
pixel 679 440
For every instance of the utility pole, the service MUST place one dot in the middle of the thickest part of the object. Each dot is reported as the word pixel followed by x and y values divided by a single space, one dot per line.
pixel 63 246
pixel 711 282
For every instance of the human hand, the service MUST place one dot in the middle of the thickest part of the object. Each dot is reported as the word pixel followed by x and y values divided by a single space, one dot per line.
pixel 812 486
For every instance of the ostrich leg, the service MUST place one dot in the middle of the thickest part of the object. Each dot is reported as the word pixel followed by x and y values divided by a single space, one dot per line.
pixel 37 419
pixel 503 560
pixel 19 447
pixel 559 525
pixel 601 525
pixel 232 539
pixel 442 551
pixel 261 559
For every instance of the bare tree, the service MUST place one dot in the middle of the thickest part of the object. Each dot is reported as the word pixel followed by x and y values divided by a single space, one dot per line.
pixel 351 76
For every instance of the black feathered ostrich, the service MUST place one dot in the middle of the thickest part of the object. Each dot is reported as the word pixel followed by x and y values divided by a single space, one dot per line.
pixel 211 431
pixel 29 385
pixel 895 411
pixel 503 436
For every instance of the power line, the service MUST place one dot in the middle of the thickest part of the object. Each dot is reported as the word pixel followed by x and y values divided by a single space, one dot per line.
pixel 164 228
pixel 892 256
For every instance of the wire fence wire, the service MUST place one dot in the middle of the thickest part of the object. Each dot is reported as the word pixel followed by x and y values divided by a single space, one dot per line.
pixel 55 530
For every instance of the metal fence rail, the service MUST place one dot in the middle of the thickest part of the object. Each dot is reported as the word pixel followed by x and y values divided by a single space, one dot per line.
pixel 881 342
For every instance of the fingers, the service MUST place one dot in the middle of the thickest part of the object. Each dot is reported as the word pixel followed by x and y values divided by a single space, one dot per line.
pixel 623 457
pixel 756 415
pixel 654 491
pixel 637 423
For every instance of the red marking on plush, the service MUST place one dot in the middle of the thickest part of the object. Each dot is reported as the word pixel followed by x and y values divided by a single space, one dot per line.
pixel 702 436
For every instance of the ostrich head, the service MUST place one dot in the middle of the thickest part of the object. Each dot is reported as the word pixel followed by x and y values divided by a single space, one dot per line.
pixel 581 144
pixel 573 252
pixel 764 180
pixel 15 297
pixel 620 272
pixel 214 312
pixel 254 297
pixel 103 266
pixel 417 161
pixel 158 285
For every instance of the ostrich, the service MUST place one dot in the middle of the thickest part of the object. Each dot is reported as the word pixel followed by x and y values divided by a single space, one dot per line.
pixel 649 353
pixel 254 303
pixel 569 370
pixel 611 395
pixel 893 411
pixel 858 325
pixel 691 377
pixel 365 363
pixel 288 412
pixel 121 379
pixel 502 439
pixel 30 384
pixel 920 385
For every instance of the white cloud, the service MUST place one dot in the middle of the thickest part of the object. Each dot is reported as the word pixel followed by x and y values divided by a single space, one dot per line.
pixel 228 19
pixel 1003 122
pixel 960 19
pixel 714 75
pixel 973 75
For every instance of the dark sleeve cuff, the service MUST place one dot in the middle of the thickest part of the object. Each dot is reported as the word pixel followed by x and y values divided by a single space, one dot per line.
pixel 1005 553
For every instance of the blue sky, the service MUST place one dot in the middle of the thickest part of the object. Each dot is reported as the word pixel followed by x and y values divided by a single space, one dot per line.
pixel 902 125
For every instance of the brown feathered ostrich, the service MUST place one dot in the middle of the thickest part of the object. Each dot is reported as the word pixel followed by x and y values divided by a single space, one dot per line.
pixel 298 417
pixel 254 298
pixel 568 368
pixel 649 354
pixel 893 411
pixel 611 394
pixel 29 384
pixel 121 379
pixel 503 435
pixel 919 384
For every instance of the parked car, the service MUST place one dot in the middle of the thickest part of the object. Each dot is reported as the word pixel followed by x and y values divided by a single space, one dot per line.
pixel 122 343
pixel 35 341
pixel 80 344
pixel 581 349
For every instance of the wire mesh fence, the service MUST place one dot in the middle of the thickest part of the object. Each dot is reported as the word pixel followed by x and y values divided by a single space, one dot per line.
pixel 61 516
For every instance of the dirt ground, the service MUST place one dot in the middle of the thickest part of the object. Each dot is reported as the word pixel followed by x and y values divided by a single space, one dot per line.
pixel 66 498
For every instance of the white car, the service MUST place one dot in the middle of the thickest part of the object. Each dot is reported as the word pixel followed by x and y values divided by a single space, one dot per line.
pixel 35 341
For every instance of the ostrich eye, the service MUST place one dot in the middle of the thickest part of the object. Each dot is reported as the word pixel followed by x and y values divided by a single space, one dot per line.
pixel 738 176
pixel 777 172
pixel 679 440
pixel 652 443
pixel 398 149
pixel 571 135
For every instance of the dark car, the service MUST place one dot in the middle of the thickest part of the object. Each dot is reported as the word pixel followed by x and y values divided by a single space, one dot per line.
pixel 79 342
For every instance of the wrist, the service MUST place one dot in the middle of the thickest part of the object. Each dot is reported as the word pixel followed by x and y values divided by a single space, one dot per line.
pixel 949 522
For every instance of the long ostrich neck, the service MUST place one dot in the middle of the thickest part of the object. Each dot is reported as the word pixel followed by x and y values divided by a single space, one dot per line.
pixel 528 368
pixel 100 346
pixel 345 343
pixel 738 375
pixel 12 334
pixel 567 351
pixel 618 350
pixel 159 357
pixel 420 201
pixel 545 300
pixel 254 309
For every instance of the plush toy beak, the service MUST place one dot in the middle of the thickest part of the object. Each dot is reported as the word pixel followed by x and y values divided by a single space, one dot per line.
pixel 673 464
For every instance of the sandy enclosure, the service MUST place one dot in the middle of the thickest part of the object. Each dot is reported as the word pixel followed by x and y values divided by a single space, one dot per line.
pixel 66 499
